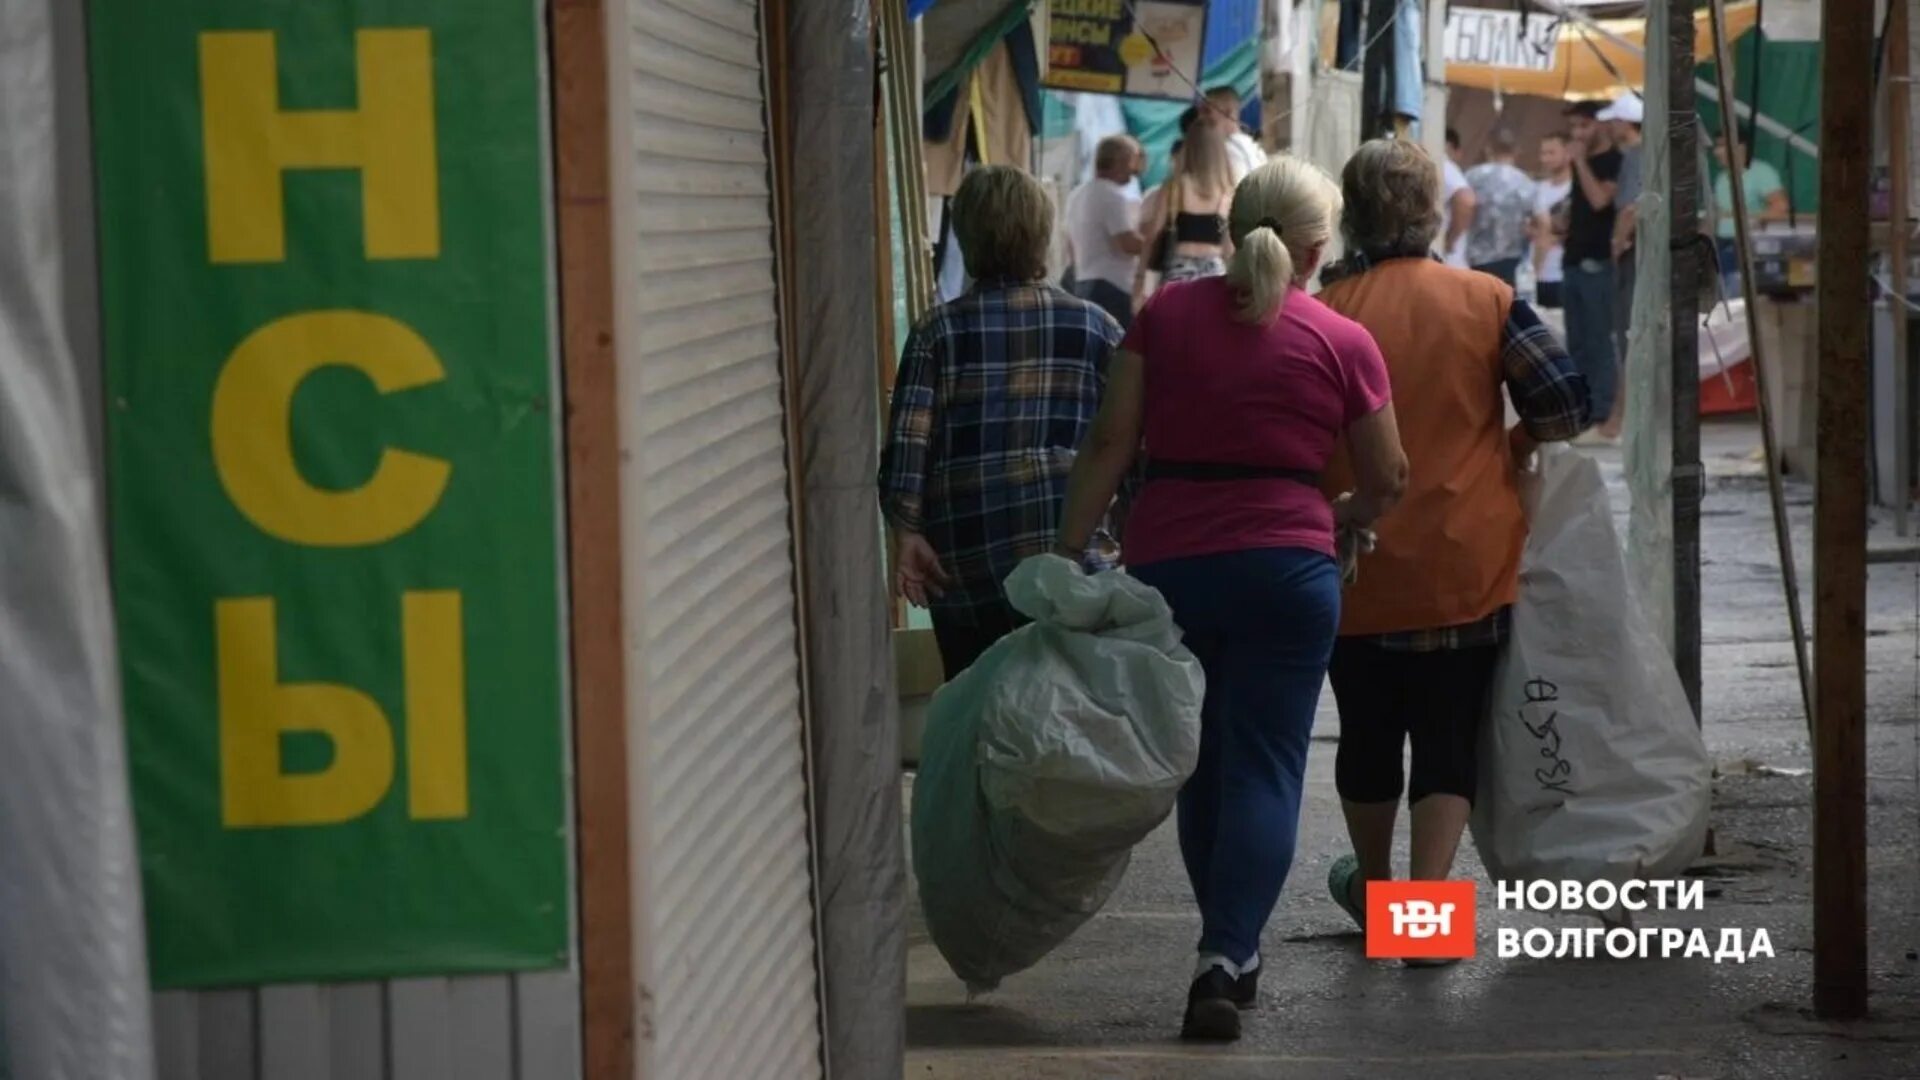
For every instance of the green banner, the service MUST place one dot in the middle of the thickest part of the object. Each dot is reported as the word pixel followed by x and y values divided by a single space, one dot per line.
pixel 331 426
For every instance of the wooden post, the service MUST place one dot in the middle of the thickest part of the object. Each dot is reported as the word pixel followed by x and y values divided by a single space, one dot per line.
pixel 1840 515
pixel 583 217
pixel 1899 101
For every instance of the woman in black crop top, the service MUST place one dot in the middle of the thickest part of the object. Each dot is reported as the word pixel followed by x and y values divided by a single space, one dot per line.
pixel 1187 215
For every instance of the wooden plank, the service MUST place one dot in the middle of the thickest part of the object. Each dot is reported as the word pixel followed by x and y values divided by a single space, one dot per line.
pixel 480 1022
pixel 229 1035
pixel 547 1025
pixel 584 219
pixel 356 1032
pixel 176 1035
pixel 1840 515
pixel 293 1032
pixel 420 1031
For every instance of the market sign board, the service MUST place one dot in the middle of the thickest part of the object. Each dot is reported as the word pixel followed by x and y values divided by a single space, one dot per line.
pixel 1136 48
pixel 1502 39
pixel 331 436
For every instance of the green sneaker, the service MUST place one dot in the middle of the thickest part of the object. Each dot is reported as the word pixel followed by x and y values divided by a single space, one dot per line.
pixel 1340 884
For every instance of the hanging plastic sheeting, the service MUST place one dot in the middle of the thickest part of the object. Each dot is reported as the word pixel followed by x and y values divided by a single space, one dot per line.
pixel 73 975
pixel 1648 373
pixel 853 731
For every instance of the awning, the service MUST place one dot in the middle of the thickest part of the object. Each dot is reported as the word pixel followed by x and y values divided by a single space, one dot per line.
pixel 1588 65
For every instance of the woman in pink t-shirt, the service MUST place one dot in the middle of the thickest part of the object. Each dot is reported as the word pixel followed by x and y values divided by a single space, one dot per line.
pixel 1240 388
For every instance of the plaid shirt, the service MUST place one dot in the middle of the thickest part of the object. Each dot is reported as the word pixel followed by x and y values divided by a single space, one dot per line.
pixel 994 394
pixel 1550 395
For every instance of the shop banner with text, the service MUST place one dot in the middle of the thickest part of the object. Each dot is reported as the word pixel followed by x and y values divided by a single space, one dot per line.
pixel 1502 39
pixel 331 434
pixel 1136 48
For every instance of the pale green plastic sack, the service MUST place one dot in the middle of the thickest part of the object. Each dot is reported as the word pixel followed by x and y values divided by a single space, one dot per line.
pixel 1046 762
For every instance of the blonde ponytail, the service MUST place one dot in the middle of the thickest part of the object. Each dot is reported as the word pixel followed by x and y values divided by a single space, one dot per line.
pixel 1261 272
pixel 1282 218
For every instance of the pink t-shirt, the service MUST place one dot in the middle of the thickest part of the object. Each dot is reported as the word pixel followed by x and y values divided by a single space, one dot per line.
pixel 1221 391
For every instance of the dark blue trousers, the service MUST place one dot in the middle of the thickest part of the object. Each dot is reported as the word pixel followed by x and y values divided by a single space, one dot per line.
pixel 1262 624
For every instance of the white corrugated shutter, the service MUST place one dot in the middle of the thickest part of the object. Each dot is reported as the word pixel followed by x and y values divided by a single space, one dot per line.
pixel 725 874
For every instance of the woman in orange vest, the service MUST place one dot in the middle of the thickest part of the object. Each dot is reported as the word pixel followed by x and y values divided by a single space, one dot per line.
pixel 1422 627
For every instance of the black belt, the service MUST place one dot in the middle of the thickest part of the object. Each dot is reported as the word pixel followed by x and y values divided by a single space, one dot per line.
pixel 1214 471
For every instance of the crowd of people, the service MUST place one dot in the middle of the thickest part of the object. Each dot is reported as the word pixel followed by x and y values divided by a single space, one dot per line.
pixel 1187 409
pixel 1574 222
pixel 1123 245
pixel 1230 439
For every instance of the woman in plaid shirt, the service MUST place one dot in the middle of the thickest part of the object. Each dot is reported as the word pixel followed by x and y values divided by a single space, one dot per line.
pixel 994 393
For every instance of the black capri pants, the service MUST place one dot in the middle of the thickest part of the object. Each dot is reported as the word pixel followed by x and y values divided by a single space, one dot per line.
pixel 1388 696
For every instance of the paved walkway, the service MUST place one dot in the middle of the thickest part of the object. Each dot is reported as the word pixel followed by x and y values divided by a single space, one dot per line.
pixel 1107 1003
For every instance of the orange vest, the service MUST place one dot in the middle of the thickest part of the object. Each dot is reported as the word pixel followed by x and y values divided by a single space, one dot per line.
pixel 1449 553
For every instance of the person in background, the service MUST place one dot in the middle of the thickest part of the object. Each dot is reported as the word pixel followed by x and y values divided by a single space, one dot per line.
pixel 1153 265
pixel 1103 228
pixel 1503 198
pixel 1244 153
pixel 995 391
pixel 1549 224
pixel 1588 274
pixel 1190 209
pixel 1242 386
pixel 1457 204
pixel 1421 627
pixel 1624 117
pixel 1766 204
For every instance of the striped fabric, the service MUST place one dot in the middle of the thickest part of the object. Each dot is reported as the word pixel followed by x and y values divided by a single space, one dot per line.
pixel 994 394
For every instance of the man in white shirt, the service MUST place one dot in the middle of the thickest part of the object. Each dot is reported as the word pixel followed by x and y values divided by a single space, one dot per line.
pixel 1244 153
pixel 1549 217
pixel 1456 204
pixel 1103 228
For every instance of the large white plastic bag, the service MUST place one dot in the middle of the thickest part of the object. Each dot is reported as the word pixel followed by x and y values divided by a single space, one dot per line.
pixel 1045 762
pixel 1591 766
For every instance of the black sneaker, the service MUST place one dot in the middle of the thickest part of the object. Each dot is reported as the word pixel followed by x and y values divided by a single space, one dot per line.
pixel 1212 1012
pixel 1246 989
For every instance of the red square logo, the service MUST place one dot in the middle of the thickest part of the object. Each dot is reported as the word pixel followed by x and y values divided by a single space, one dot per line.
pixel 1419 919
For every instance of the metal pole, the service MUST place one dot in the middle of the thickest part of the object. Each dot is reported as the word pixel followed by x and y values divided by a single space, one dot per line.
pixel 1683 248
pixel 1743 232
pixel 1840 514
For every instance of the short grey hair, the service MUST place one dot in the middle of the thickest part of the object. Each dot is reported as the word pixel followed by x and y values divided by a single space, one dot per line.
pixel 1004 222
pixel 1391 188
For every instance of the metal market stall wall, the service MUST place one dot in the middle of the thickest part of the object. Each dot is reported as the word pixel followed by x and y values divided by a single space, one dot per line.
pixel 722 871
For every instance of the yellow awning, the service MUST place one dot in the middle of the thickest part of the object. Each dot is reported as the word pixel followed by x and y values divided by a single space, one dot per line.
pixel 1579 72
